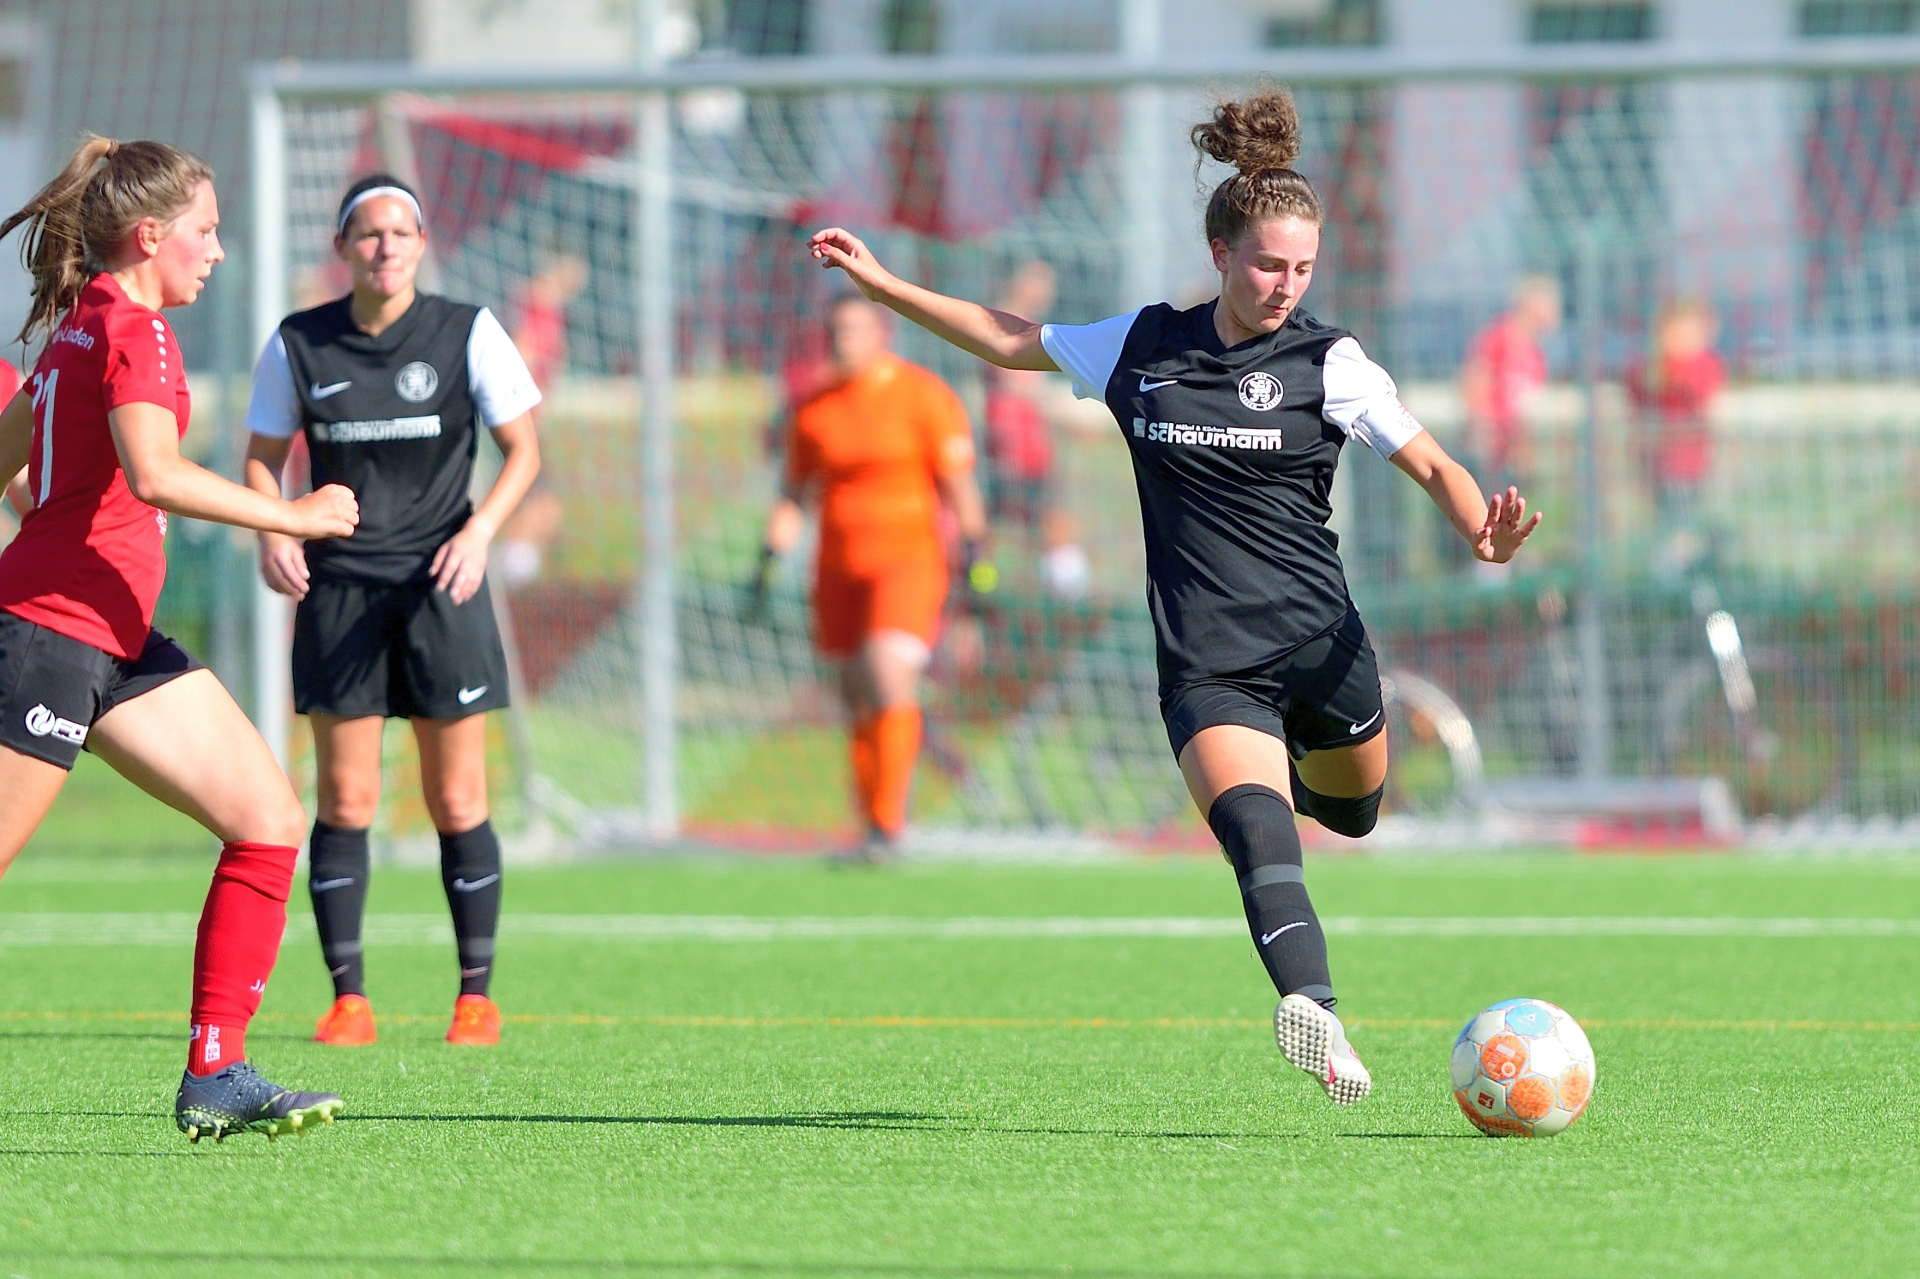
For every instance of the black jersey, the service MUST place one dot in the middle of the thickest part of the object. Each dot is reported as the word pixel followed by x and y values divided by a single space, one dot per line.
pixel 395 418
pixel 1234 453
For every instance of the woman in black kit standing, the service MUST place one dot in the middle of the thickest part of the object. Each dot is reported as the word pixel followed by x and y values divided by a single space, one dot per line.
pixel 1235 412
pixel 391 387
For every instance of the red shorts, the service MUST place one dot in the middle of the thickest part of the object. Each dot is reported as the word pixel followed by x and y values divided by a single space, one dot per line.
pixel 847 609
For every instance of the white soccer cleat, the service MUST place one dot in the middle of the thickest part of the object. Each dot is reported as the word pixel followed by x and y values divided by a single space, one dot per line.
pixel 1312 1038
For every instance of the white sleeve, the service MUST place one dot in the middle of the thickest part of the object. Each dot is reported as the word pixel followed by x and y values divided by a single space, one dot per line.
pixel 502 387
pixel 1088 352
pixel 274 409
pixel 1363 401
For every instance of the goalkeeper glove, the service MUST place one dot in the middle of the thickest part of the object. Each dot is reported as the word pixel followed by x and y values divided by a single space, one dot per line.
pixel 982 577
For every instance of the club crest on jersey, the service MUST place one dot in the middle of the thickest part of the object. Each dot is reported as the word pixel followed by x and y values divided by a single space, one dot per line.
pixel 1261 391
pixel 417 381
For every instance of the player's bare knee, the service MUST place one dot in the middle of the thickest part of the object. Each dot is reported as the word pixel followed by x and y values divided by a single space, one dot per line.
pixel 458 809
pixel 344 814
pixel 273 816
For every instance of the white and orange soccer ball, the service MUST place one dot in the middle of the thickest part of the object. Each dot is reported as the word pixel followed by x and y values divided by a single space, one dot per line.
pixel 1522 1068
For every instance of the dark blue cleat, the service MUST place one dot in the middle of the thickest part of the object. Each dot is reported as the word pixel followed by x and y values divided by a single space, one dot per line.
pixel 239 1099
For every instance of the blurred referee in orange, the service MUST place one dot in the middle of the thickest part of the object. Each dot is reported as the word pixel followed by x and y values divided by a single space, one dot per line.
pixel 880 445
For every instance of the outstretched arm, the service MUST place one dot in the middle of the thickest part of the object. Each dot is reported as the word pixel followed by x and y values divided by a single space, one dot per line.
pixel 1496 529
pixel 148 443
pixel 994 336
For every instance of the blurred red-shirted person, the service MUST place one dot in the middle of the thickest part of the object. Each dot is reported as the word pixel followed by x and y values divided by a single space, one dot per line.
pixel 1019 439
pixel 540 334
pixel 1674 392
pixel 881 447
pixel 1504 370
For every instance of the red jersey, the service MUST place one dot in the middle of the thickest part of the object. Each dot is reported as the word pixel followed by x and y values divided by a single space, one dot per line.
pixel 9 383
pixel 1676 392
pixel 1017 434
pixel 1515 369
pixel 89 561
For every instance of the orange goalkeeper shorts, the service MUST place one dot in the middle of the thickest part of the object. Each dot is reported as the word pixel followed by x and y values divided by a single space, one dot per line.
pixel 848 608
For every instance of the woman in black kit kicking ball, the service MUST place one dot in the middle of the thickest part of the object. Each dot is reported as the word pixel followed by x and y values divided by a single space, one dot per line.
pixel 390 387
pixel 1235 412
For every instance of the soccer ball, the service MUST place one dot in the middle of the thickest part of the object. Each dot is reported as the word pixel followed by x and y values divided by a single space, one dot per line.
pixel 1522 1068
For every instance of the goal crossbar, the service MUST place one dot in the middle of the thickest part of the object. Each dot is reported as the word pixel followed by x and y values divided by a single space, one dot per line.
pixel 1654 60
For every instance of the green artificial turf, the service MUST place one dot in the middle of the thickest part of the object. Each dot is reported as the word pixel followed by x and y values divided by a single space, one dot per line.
pixel 945 1106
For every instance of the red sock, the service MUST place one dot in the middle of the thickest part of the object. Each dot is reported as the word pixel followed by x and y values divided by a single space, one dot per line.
pixel 896 744
pixel 239 940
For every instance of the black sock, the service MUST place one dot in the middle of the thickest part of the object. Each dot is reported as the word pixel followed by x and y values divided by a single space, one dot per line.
pixel 1343 816
pixel 337 866
pixel 1256 828
pixel 470 871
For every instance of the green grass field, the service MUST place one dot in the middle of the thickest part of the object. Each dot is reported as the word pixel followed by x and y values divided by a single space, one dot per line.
pixel 844 1085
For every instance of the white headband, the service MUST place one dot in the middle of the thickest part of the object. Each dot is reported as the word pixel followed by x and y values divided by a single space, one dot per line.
pixel 346 214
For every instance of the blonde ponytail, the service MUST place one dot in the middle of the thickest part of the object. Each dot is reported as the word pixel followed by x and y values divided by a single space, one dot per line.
pixel 104 191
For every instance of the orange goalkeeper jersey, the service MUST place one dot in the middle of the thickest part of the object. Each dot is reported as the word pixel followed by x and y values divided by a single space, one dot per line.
pixel 877 444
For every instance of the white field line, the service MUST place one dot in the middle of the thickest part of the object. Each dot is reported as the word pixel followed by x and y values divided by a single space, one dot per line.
pixel 177 928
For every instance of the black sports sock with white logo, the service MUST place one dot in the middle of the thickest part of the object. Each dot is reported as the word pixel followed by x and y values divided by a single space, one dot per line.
pixel 470 871
pixel 337 866
pixel 1256 828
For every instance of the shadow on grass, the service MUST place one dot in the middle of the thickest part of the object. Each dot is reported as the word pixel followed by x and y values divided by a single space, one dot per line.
pixel 99 1154
pixel 833 1121
pixel 1413 1136
pixel 884 1120
pixel 338 1263
pixel 853 1121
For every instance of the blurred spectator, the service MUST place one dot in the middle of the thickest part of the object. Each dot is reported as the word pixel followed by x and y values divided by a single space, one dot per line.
pixel 540 334
pixel 1504 372
pixel 1019 440
pixel 1674 393
pixel 540 316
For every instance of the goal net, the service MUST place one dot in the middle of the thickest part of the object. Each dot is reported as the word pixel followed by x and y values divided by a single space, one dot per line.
pixel 1774 205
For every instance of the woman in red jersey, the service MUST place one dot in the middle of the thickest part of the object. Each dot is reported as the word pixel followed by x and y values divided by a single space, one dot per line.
pixel 125 230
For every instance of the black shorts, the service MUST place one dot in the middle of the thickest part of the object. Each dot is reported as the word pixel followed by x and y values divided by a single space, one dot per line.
pixel 363 648
pixel 53 688
pixel 1323 694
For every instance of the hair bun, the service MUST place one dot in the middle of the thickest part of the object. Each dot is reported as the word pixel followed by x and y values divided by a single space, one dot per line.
pixel 1257 135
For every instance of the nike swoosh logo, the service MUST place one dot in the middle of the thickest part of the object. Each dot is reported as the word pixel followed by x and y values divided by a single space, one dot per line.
pixel 327 885
pixel 1154 386
pixel 318 392
pixel 468 696
pixel 473 972
pixel 462 886
pixel 1361 728
pixel 1299 923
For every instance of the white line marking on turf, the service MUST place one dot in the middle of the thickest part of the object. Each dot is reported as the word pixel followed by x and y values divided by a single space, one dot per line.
pixel 176 928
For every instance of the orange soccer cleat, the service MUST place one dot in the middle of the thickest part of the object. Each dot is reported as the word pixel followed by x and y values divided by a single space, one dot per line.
pixel 476 1020
pixel 347 1023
